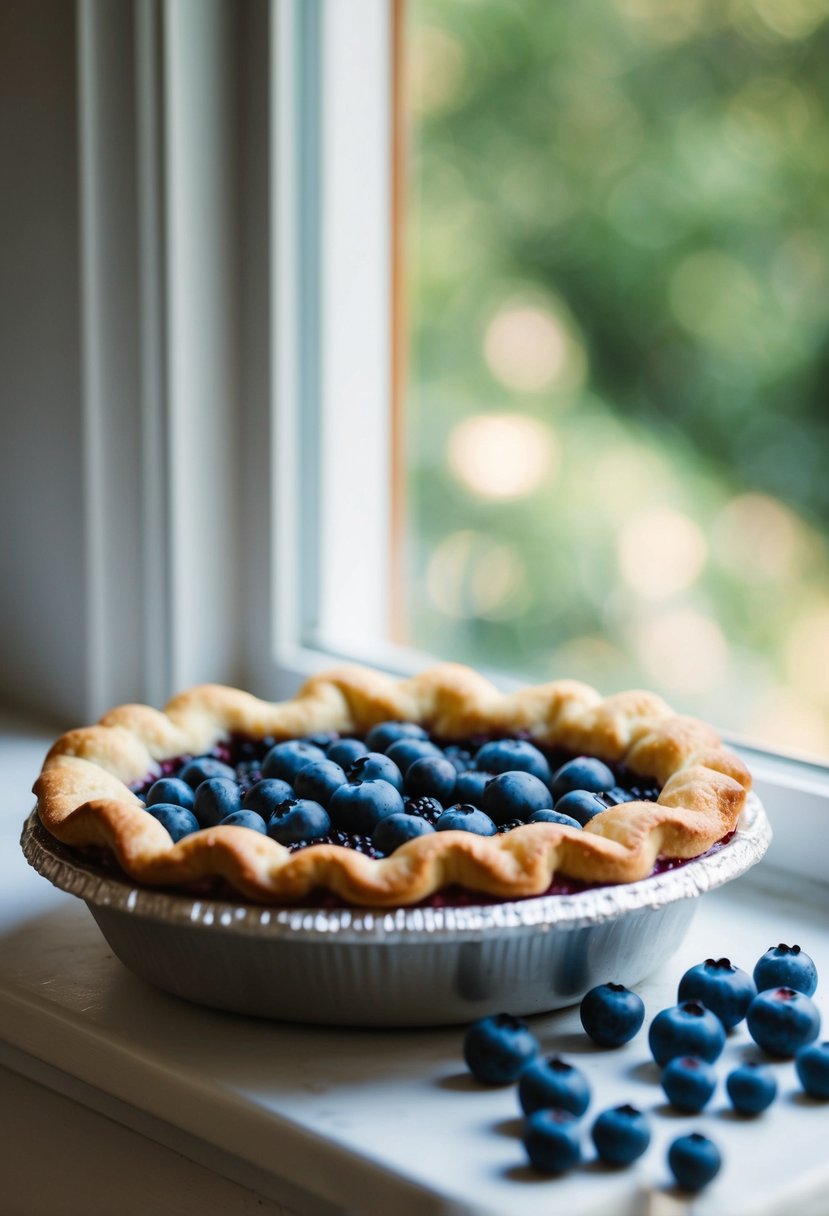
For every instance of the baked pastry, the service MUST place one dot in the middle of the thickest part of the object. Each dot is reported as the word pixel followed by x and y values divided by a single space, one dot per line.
pixel 531 802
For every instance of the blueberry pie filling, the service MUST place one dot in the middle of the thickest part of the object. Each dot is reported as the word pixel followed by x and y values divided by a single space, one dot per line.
pixel 362 789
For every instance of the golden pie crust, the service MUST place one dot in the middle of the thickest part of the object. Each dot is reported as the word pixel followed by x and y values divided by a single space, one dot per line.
pixel 84 797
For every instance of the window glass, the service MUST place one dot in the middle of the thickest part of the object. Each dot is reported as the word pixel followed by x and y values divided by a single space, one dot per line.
pixel 617 423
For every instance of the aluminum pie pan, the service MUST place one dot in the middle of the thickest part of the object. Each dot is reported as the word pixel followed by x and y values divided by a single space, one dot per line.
pixel 396 967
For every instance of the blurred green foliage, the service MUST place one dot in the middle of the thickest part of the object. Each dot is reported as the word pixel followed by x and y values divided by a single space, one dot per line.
pixel 619 227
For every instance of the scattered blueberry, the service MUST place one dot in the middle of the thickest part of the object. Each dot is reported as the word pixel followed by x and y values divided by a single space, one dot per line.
pixel 721 987
pixel 298 819
pixel 686 1029
pixel 781 1021
pixel 552 1082
pixel 359 808
pixel 812 1065
pixel 751 1087
pixel 374 766
pixel 345 751
pixel 395 830
pixel 405 751
pixel 515 795
pixel 552 1141
pixel 465 818
pixel 432 777
pixel 266 795
pixel 245 819
pixel 323 739
pixel 171 790
pixel 688 1083
pixel 580 805
pixel 178 821
pixel 498 1048
pixel 694 1161
pixel 583 773
pixel 621 1135
pixel 203 768
pixel 611 1014
pixel 513 755
pixel 215 799
pixel 786 967
pixel 381 737
pixel 319 780
pixel 546 815
pixel 470 786
pixel 285 759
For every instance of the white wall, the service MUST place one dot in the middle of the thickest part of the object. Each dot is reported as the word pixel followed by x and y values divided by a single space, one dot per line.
pixel 42 663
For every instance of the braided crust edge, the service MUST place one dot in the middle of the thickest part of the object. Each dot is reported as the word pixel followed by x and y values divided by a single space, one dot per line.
pixel 84 799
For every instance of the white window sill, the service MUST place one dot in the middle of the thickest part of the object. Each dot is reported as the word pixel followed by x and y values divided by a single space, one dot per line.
pixel 325 1121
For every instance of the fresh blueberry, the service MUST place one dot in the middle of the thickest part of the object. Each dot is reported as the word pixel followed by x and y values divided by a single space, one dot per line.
pixel 178 821
pixel 515 796
pixel 621 1135
pixel 171 790
pixel 513 756
pixel 688 1083
pixel 552 1140
pixel 215 800
pixel 285 760
pixel 463 817
pixel 265 796
pixel 405 751
pixel 781 1021
pixel 298 819
pixel 688 1029
pixel 359 808
pixel 395 830
pixel 470 786
pixel 721 987
pixel 751 1087
pixel 786 967
pixel 498 1048
pixel 318 781
pixel 203 768
pixel 374 766
pixel 432 776
pixel 459 757
pixel 583 773
pixel 345 751
pixel 425 808
pixel 812 1065
pixel 552 1082
pixel 546 815
pixel 611 1014
pixel 245 819
pixel 580 805
pixel 617 796
pixel 322 739
pixel 381 737
pixel 694 1161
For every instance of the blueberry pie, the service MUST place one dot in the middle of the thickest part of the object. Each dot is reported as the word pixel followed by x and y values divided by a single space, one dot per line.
pixel 383 793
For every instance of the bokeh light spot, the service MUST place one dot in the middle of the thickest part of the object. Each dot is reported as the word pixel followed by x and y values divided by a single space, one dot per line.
pixel 684 651
pixel 758 539
pixel 470 575
pixel 528 349
pixel 661 552
pixel 503 455
pixel 807 651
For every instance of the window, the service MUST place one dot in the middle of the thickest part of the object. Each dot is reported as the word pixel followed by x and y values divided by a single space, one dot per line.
pixel 619 303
